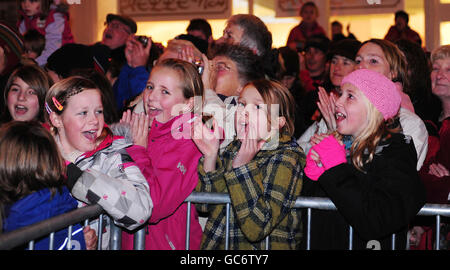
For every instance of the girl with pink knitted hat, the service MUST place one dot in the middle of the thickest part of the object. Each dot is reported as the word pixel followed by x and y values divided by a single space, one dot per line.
pixel 374 183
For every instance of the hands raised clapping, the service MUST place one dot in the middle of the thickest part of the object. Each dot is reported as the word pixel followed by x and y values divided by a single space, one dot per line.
pixel 139 124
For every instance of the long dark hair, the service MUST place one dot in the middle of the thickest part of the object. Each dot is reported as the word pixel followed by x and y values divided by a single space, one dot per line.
pixel 418 84
pixel 35 164
pixel 37 79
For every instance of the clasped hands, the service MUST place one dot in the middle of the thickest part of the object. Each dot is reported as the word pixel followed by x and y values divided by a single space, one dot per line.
pixel 326 152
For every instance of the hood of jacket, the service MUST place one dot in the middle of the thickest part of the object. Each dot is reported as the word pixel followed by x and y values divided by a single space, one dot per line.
pixel 110 144
pixel 38 206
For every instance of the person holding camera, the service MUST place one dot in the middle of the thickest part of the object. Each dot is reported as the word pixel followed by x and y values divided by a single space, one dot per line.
pixel 134 74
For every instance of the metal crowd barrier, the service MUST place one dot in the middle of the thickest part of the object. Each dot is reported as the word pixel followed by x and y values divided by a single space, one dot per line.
pixel 47 227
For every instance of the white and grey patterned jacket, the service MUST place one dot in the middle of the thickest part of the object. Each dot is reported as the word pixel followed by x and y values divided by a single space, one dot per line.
pixel 109 177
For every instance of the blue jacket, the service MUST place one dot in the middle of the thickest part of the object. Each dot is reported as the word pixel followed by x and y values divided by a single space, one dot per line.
pixel 130 83
pixel 39 206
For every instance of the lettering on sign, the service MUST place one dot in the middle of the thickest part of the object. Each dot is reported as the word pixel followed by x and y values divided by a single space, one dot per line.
pixel 175 9
pixel 288 8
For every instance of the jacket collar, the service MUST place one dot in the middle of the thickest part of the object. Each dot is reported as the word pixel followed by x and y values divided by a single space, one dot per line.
pixel 107 142
pixel 177 125
pixel 104 144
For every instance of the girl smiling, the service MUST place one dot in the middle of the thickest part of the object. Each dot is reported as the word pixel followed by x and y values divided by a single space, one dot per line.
pixel 99 170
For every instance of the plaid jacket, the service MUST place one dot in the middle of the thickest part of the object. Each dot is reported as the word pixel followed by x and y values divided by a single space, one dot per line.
pixel 262 193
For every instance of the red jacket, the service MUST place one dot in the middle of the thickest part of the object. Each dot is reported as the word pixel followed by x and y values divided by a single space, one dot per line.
pixel 302 32
pixel 170 166
pixel 55 28
pixel 394 35
pixel 41 25
pixel 438 188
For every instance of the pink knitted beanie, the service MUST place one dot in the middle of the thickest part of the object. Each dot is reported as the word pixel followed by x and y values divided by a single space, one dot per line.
pixel 380 91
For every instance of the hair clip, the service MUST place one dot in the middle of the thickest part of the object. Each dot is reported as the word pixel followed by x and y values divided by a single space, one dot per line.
pixel 49 111
pixel 57 104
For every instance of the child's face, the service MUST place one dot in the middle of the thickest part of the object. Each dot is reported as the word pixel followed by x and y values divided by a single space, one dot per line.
pixel 23 102
pixel 371 56
pixel 31 7
pixel 351 111
pixel 30 54
pixel 163 96
pixel 82 121
pixel 252 114
pixel 309 14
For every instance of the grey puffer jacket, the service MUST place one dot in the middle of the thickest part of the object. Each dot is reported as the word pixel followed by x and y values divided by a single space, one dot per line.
pixel 109 177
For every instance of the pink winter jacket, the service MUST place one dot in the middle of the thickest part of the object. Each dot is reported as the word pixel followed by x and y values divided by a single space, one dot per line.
pixel 170 166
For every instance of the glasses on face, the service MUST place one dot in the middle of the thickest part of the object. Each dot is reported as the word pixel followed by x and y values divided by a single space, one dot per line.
pixel 221 66
pixel 118 26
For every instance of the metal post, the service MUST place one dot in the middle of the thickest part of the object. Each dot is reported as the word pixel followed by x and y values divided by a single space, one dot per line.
pixel 227 227
pixel 31 245
pixel 188 224
pixel 350 238
pixel 438 231
pixel 51 242
pixel 268 242
pixel 69 238
pixel 139 239
pixel 100 232
pixel 308 230
pixel 115 239
pixel 393 242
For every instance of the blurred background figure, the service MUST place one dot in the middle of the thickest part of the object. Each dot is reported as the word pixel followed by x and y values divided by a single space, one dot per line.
pixel 401 29
pixel 308 27
pixel 337 31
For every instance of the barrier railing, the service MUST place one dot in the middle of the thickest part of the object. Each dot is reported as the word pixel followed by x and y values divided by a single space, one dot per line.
pixel 47 227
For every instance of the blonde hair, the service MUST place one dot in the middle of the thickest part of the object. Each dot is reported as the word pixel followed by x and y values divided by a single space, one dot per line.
pixel 440 53
pixel 190 80
pixel 395 58
pixel 364 145
pixel 273 92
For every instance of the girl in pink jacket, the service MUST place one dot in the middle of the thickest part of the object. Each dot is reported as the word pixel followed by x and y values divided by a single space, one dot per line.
pixel 166 155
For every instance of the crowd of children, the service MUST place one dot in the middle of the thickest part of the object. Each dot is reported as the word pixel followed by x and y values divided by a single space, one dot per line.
pixel 136 128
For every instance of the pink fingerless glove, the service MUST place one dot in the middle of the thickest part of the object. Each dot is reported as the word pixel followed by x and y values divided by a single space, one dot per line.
pixel 311 169
pixel 331 152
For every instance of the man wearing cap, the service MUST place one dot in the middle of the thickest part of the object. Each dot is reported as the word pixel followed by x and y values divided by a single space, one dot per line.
pixel 313 66
pixel 118 29
pixel 342 56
